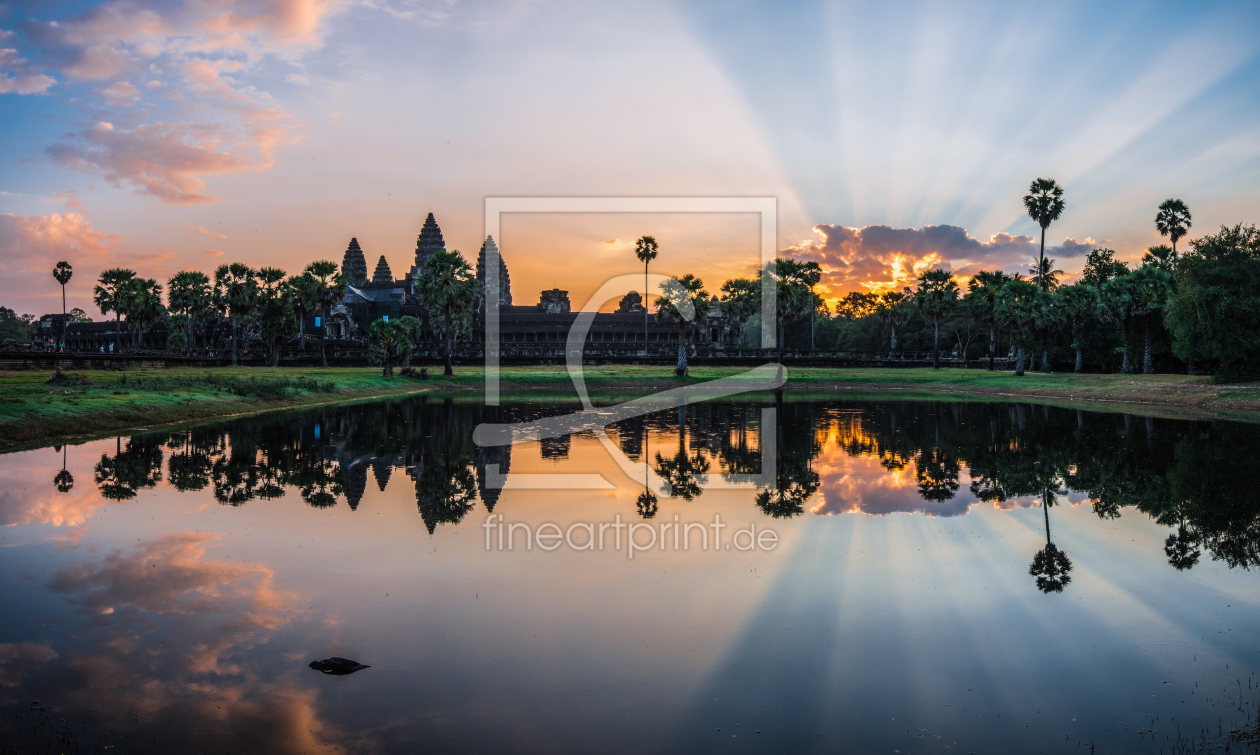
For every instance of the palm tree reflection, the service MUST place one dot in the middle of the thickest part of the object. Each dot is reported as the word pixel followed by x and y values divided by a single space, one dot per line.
pixel 63 480
pixel 1050 566
pixel 684 472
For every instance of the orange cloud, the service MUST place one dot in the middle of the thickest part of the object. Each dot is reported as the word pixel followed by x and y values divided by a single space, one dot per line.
pixel 18 77
pixel 164 160
pixel 879 258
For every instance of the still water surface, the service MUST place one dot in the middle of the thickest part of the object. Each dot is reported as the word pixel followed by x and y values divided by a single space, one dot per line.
pixel 984 578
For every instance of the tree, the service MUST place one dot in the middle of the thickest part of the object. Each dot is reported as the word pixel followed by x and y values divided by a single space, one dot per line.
pixel 189 293
pixel 78 315
pixel 448 290
pixel 1101 266
pixel 857 304
pixel 1077 303
pixel 145 307
pixel 984 286
pixel 1044 203
pixel 1119 302
pixel 793 298
pixel 329 287
pixel 16 327
pixel 683 300
pixel 235 293
pixel 1046 319
pixel 936 297
pixel 274 311
pixel 741 299
pixel 895 308
pixel 305 290
pixel 645 249
pixel 391 342
pixel 1161 256
pixel 111 295
pixel 1173 221
pixel 1216 312
pixel 1014 309
pixel 1151 289
pixel 62 273
pixel 1047 274
pixel 811 274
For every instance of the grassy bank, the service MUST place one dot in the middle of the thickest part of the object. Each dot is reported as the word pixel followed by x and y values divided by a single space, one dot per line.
pixel 33 410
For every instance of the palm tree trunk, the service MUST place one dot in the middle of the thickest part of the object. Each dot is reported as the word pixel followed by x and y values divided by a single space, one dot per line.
pixel 1041 261
pixel 893 345
pixel 323 332
pixel 233 340
pixel 936 342
pixel 449 327
pixel 118 331
pixel 302 328
pixel 1080 354
pixel 1190 367
pixel 992 343
pixel 1045 359
pixel 1126 365
pixel 63 317
pixel 1019 360
pixel 681 368
pixel 811 322
pixel 645 308
pixel 1148 364
pixel 1046 507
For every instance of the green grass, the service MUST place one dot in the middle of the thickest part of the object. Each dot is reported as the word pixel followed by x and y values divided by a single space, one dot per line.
pixel 84 404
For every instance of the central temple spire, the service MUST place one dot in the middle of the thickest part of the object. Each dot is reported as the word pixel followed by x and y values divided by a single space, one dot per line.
pixel 427 244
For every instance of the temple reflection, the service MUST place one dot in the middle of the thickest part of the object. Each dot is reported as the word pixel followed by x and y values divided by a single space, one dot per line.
pixel 945 457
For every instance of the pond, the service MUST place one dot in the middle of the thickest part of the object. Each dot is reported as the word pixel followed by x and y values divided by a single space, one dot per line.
pixel 897 577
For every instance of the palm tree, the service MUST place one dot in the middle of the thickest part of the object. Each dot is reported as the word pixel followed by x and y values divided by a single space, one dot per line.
pixel 306 299
pixel 275 311
pixel 741 299
pixel 1151 289
pixel 329 286
pixel 893 309
pixel 1048 275
pixel 811 274
pixel 645 249
pixel 684 300
pixel 145 309
pixel 1014 309
pixel 62 273
pixel 984 286
pixel 111 295
pixel 1046 318
pixel 1078 302
pixel 936 295
pixel 189 293
pixel 236 291
pixel 1173 220
pixel 448 289
pixel 1119 302
pixel 1044 203
pixel 793 299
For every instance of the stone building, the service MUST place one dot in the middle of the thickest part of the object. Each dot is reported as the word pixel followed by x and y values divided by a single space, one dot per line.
pixel 531 330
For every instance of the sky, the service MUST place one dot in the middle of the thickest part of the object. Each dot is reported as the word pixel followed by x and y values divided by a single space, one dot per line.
pixel 895 137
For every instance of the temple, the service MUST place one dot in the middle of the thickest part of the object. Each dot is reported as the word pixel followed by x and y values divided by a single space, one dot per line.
pixel 537 330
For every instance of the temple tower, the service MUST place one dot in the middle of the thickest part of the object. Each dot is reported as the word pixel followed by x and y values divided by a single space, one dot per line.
pixel 354 266
pixel 505 280
pixel 382 276
pixel 429 242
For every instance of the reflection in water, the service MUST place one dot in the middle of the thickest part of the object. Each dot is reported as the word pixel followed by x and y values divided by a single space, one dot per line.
pixel 1183 474
pixel 1050 566
pixel 64 480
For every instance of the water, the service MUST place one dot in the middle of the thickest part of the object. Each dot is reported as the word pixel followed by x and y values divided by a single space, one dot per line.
pixel 167 591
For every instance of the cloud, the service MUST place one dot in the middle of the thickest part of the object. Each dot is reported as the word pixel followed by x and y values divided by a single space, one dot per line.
pixel 294 78
pixel 211 252
pixel 880 258
pixel 18 77
pixel 203 231
pixel 120 94
pixel 164 160
pixel 31 244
